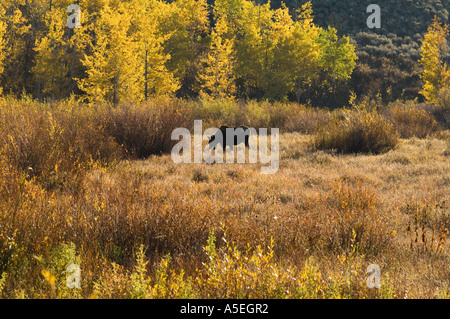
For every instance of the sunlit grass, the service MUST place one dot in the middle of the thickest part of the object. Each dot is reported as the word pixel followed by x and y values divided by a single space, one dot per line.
pixel 151 228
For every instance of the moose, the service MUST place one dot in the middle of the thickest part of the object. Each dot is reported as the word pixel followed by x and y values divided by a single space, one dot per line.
pixel 236 136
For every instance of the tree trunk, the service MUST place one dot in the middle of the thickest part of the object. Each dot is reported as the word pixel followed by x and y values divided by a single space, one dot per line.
pixel 116 82
pixel 146 74
pixel 72 63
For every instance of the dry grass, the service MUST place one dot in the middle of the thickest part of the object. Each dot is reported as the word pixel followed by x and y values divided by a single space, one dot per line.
pixel 154 229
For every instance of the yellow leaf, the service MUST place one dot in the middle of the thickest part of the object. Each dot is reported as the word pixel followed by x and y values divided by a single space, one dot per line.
pixel 49 277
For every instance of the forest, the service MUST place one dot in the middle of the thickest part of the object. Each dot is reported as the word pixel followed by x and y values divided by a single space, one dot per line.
pixel 318 52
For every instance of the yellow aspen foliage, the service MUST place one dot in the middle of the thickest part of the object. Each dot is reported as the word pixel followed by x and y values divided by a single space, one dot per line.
pixel 155 78
pixel 2 42
pixel 51 64
pixel 217 76
pixel 112 68
pixel 188 25
pixel 15 63
pixel 135 49
pixel 435 73
pixel 252 49
pixel 305 49
pixel 277 64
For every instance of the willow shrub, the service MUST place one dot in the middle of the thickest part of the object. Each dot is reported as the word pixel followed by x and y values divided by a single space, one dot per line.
pixel 54 142
pixel 145 129
pixel 412 122
pixel 356 132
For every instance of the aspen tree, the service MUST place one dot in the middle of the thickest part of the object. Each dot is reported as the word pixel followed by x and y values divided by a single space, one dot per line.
pixel 217 75
pixel 112 69
pixel 187 23
pixel 156 78
pixel 337 56
pixel 16 39
pixel 305 49
pixel 435 73
pixel 51 62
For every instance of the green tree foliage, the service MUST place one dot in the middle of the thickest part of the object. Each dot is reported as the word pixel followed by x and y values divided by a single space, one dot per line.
pixel 187 23
pixel 337 57
pixel 276 53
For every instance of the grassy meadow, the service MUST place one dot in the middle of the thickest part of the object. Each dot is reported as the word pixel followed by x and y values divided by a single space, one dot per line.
pixel 96 186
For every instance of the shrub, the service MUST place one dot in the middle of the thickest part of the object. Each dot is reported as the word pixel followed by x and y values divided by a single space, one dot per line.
pixel 306 119
pixel 116 282
pixel 145 129
pixel 443 98
pixel 348 218
pixel 256 115
pixel 447 151
pixel 56 265
pixel 200 176
pixel 279 113
pixel 219 112
pixel 356 132
pixel 355 220
pixel 412 122
pixel 53 142
pixel 290 117
pixel 253 273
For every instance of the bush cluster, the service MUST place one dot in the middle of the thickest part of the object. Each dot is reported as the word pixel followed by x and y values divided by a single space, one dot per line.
pixel 411 121
pixel 356 132
pixel 53 142
pixel 65 197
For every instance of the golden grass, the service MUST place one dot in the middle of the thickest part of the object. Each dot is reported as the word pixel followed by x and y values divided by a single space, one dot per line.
pixel 317 205
pixel 154 229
